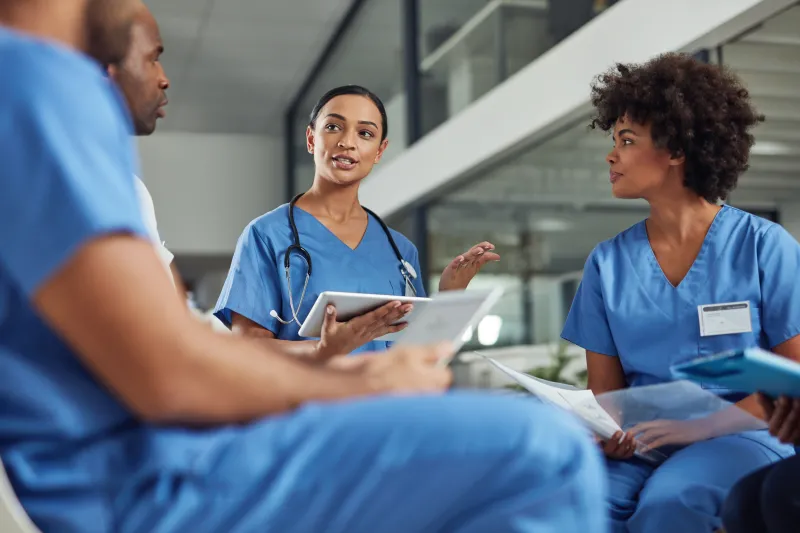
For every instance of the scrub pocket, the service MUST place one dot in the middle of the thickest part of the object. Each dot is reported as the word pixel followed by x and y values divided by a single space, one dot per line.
pixel 715 344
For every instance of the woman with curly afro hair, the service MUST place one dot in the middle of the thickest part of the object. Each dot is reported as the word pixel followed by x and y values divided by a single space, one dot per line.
pixel 682 133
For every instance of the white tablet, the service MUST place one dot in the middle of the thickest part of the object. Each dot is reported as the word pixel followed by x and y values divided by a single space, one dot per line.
pixel 447 317
pixel 350 305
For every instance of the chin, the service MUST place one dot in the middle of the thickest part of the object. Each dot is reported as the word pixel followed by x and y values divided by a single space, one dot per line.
pixel 345 179
pixel 623 194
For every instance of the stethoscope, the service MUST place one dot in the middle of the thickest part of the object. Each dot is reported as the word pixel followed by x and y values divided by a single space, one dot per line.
pixel 406 269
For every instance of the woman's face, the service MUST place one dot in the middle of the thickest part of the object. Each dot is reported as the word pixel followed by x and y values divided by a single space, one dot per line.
pixel 638 167
pixel 346 139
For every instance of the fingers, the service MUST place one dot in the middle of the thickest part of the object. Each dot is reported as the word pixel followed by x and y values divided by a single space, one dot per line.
pixel 428 355
pixel 650 438
pixel 663 440
pixel 620 446
pixel 782 408
pixel 791 423
pixel 394 328
pixel 329 320
pixel 478 255
pixel 384 315
pixel 456 263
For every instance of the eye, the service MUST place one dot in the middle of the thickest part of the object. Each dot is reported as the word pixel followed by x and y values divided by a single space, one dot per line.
pixel 331 127
pixel 367 134
pixel 626 142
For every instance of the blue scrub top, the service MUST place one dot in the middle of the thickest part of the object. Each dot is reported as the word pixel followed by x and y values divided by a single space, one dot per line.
pixel 256 283
pixel 625 307
pixel 66 178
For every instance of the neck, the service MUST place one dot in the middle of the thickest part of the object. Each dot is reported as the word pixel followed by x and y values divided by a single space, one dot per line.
pixel 682 217
pixel 337 202
pixel 63 21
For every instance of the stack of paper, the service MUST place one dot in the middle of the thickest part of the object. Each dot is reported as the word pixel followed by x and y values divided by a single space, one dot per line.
pixel 581 403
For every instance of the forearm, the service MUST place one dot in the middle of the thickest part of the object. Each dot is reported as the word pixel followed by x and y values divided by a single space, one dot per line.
pixel 229 379
pixel 115 308
pixel 306 350
pixel 751 406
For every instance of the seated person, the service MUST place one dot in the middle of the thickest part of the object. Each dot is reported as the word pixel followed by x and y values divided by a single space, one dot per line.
pixel 324 240
pixel 768 500
pixel 143 82
pixel 681 137
pixel 122 413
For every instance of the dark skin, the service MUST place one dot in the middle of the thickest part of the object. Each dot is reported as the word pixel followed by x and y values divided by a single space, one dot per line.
pixel 143 81
pixel 676 228
pixel 783 417
pixel 141 76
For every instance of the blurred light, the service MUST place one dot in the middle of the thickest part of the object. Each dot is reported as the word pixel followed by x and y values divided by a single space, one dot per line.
pixel 467 335
pixel 489 330
pixel 771 148
pixel 551 225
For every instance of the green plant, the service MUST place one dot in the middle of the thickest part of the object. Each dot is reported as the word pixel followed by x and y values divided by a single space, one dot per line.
pixel 559 360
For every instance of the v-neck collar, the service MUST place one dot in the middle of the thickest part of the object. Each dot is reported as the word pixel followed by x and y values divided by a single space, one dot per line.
pixel 699 271
pixel 332 235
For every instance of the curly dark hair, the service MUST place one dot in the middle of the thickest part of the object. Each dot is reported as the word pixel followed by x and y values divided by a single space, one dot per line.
pixel 695 109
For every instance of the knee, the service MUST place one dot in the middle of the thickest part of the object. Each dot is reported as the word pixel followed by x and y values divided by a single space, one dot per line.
pixel 779 492
pixel 682 507
pixel 741 507
pixel 556 442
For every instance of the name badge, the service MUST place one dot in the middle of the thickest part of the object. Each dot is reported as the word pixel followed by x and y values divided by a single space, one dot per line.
pixel 724 319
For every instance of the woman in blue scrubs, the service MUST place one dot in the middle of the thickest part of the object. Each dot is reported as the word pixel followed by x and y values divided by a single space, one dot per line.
pixel 681 139
pixel 332 243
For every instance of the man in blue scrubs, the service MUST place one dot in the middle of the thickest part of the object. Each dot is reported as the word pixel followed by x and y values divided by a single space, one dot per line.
pixel 681 139
pixel 121 413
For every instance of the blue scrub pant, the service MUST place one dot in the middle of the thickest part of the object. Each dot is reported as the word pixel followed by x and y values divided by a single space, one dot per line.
pixel 463 462
pixel 767 501
pixel 685 493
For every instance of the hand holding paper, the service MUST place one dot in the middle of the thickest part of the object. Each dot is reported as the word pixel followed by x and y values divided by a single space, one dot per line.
pixel 660 433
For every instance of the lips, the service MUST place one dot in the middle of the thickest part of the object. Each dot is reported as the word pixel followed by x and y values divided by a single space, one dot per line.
pixel 614 176
pixel 344 162
pixel 161 112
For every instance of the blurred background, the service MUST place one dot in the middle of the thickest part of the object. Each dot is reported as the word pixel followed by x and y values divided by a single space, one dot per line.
pixel 488 111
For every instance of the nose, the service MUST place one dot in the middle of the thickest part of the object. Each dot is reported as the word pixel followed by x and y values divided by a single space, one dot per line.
pixel 163 80
pixel 612 158
pixel 346 141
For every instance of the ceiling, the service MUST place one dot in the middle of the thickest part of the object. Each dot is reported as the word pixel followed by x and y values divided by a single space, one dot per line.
pixel 235 64
pixel 559 190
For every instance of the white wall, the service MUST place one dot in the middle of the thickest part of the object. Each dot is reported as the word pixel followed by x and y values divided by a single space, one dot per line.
pixel 554 88
pixel 207 187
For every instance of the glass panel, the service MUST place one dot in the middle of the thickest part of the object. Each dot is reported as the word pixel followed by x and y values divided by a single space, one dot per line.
pixel 768 61
pixel 468 47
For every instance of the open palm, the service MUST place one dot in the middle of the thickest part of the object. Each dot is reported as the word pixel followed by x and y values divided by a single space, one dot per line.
pixel 463 268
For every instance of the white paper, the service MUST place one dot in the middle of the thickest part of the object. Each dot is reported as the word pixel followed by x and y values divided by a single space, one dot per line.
pixel 580 402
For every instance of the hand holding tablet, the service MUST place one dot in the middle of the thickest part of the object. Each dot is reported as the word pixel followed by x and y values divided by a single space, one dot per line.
pixel 342 337
pixel 350 305
pixel 445 318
